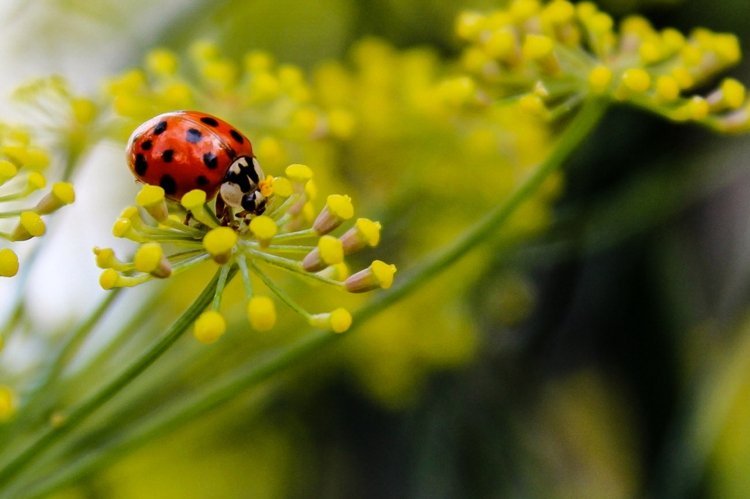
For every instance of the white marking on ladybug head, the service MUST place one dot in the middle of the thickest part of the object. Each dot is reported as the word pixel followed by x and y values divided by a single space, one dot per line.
pixel 232 194
pixel 258 170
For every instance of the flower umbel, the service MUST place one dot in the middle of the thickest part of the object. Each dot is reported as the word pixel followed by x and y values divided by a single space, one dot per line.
pixel 553 56
pixel 21 181
pixel 288 236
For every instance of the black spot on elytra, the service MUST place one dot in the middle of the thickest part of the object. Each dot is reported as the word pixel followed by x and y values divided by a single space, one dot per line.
pixel 209 121
pixel 168 183
pixel 159 129
pixel 193 135
pixel 236 136
pixel 146 145
pixel 210 160
pixel 231 153
pixel 168 155
pixel 140 164
pixel 201 180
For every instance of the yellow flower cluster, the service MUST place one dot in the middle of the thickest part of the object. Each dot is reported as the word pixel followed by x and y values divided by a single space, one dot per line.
pixel 272 102
pixel 289 236
pixel 22 164
pixel 552 56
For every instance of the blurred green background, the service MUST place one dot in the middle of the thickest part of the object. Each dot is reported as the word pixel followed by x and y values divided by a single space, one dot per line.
pixel 609 355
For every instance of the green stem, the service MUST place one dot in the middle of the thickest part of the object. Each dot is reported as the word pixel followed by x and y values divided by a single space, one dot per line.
pixel 81 412
pixel 255 372
pixel 55 367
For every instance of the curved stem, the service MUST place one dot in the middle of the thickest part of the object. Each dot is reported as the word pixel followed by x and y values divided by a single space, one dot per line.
pixel 81 412
pixel 57 364
pixel 269 364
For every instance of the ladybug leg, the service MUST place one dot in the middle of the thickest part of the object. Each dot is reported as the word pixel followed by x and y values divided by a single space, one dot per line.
pixel 223 211
pixel 188 217
pixel 260 208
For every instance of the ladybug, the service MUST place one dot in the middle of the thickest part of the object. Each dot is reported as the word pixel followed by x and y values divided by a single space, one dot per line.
pixel 185 150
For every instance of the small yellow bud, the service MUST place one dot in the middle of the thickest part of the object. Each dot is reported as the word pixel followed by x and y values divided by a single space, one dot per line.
pixel 62 194
pixel 667 89
pixel 469 24
pixel 36 181
pixel 261 312
pixel 264 228
pixel 378 275
pixel 501 44
pixel 7 170
pixel 219 243
pixel 600 78
pixel 337 321
pixel 338 208
pixel 456 91
pixel 524 9
pixel 683 77
pixel 151 197
pixel 282 187
pixel 600 23
pixel 30 225
pixel 8 263
pixel 162 62
pixel 84 110
pixel 299 173
pixel 636 80
pixel 727 47
pixel 106 259
pixel 195 202
pixel 733 93
pixel 537 47
pixel 109 278
pixel 122 227
pixel 650 52
pixel 698 108
pixel 331 250
pixel 559 12
pixel 150 259
pixel 190 200
pixel 209 327
pixel 364 233
pixel 673 39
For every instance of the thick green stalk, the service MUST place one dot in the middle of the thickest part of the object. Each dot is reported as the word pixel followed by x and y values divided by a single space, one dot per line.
pixel 81 412
pixel 276 361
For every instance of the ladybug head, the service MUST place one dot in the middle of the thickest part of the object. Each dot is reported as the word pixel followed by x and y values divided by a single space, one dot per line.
pixel 240 186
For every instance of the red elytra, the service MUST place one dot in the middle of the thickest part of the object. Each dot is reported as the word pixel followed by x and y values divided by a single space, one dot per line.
pixel 185 150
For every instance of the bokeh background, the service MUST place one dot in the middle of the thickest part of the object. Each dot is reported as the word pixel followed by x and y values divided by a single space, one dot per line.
pixel 599 348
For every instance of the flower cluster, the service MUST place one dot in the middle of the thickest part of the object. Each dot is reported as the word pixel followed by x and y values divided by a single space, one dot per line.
pixel 551 57
pixel 272 102
pixel 287 236
pixel 22 164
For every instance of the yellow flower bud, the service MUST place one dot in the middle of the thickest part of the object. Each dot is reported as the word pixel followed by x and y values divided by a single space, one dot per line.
pixel 299 173
pixel 636 80
pixel 8 263
pixel 378 275
pixel 150 259
pixel 338 208
pixel 30 225
pixel 264 228
pixel 261 312
pixel 209 327
pixel 600 78
pixel 62 194
pixel 219 243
